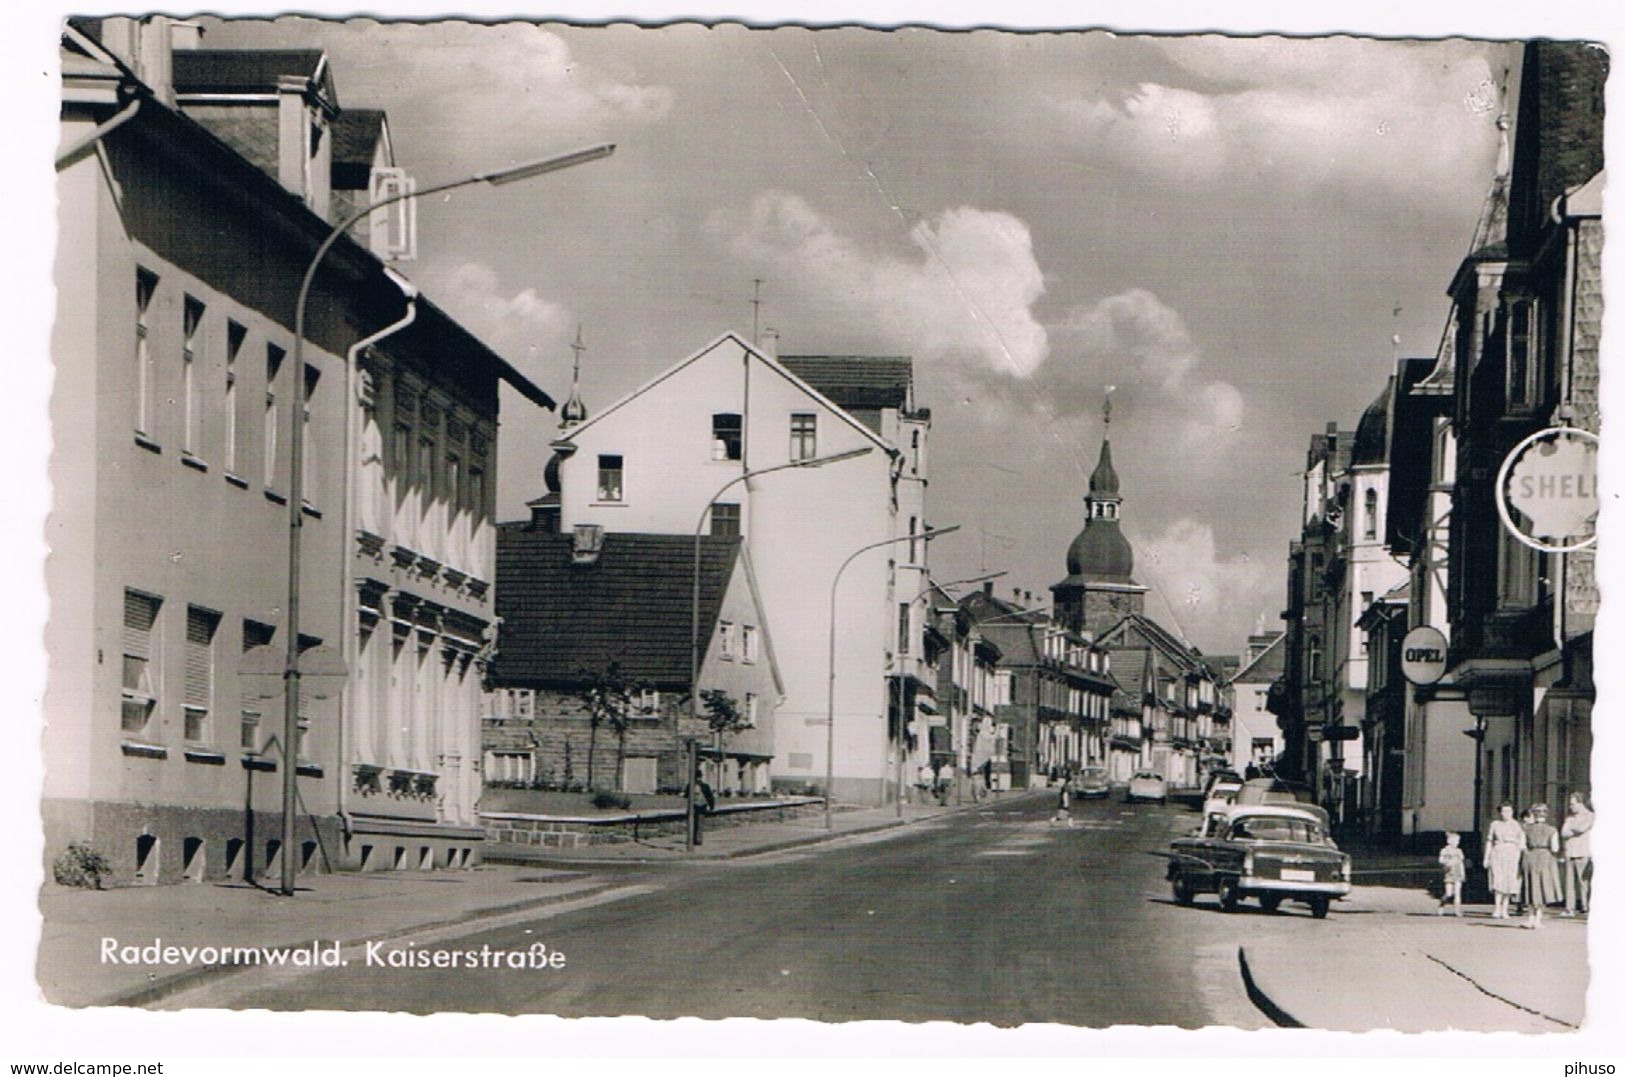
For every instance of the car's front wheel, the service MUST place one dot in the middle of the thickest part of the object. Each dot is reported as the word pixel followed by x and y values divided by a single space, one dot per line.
pixel 1319 907
pixel 1229 895
pixel 1182 890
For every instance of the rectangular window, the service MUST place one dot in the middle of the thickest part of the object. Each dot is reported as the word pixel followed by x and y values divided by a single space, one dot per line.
pixel 192 408
pixel 610 478
pixel 725 639
pixel 198 697
pixel 750 709
pixel 725 520
pixel 727 436
pixel 140 693
pixel 401 457
pixel 273 366
pixel 255 634
pixel 749 642
pixel 903 626
pixel 524 703
pixel 309 470
pixel 425 466
pixel 235 335
pixel 1522 356
pixel 454 483
pixel 476 490
pixel 649 702
pixel 146 283
pixel 803 436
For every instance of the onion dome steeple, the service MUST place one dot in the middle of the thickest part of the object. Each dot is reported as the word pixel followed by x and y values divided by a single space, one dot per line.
pixel 1100 553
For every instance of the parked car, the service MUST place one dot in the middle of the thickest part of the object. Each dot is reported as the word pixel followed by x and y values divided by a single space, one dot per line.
pixel 1272 852
pixel 1092 782
pixel 1147 785
pixel 1222 787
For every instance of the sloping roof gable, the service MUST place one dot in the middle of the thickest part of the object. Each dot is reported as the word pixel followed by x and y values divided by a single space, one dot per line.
pixel 633 605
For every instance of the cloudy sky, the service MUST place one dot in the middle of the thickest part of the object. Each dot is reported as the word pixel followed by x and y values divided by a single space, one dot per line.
pixel 1227 231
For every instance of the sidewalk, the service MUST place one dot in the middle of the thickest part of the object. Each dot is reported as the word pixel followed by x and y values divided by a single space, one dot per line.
pixel 351 908
pixel 1384 959
pixel 747 839
pixel 341 908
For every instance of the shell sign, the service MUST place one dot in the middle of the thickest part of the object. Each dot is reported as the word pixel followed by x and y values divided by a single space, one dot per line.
pixel 1546 492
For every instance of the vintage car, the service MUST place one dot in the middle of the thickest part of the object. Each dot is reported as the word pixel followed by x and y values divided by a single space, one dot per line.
pixel 1092 782
pixel 1147 785
pixel 1274 852
pixel 1221 790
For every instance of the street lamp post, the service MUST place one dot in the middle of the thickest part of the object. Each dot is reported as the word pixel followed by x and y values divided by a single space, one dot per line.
pixel 694 624
pixel 829 759
pixel 296 486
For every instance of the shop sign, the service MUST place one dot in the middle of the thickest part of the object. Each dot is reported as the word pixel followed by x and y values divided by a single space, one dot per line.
pixel 1423 655
pixel 1546 491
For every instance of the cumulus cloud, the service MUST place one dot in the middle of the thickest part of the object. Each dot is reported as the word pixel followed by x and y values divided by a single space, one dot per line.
pixel 963 296
pixel 1344 111
pixel 520 326
pixel 1204 594
pixel 1140 346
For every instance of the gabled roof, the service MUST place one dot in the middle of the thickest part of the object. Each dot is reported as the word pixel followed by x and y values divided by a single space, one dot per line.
pixel 632 605
pixel 357 133
pixel 856 381
pixel 766 361
pixel 237 71
pixel 1266 666
pixel 1181 653
pixel 1128 670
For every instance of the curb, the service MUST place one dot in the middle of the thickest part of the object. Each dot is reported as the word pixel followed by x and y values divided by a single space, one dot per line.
pixel 1255 994
pixel 180 981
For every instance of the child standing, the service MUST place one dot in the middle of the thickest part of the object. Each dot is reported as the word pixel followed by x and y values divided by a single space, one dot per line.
pixel 1454 862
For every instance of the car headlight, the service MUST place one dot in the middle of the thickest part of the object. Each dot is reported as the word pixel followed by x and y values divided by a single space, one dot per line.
pixel 1347 870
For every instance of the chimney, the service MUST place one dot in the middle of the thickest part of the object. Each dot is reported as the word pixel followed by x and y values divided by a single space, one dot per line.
pixel 769 344
pixel 987 588
pixel 153 57
pixel 587 544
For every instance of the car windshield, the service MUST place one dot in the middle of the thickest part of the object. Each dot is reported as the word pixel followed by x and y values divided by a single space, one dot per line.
pixel 1094 773
pixel 1276 828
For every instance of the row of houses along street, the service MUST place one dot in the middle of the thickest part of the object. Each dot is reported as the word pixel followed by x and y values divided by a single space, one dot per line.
pixel 734 555
pixel 1401 530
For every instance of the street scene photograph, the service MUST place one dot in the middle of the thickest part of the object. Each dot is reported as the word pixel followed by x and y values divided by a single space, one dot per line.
pixel 1073 528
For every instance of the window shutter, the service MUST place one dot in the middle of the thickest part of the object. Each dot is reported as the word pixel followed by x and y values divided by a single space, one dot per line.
pixel 199 657
pixel 140 612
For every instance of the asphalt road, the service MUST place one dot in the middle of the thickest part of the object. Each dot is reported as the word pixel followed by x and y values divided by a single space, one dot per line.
pixel 990 915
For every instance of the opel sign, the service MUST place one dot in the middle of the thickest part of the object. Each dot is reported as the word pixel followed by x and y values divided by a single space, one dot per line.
pixel 1546 491
pixel 1423 655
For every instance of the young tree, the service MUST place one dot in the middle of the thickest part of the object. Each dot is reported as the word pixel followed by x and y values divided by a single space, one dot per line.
pixel 609 698
pixel 723 716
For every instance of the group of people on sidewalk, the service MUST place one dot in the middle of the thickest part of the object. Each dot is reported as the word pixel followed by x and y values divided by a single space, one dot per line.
pixel 1522 858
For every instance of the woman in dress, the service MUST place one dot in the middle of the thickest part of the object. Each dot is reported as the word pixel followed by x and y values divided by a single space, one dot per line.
pixel 1540 865
pixel 1503 857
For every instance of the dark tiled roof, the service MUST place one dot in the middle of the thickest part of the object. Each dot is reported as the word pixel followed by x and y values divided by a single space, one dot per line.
pixel 1128 670
pixel 856 381
pixel 240 70
pixel 356 132
pixel 633 605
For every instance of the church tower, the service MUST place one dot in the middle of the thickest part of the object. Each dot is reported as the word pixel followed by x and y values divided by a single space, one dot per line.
pixel 1099 589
